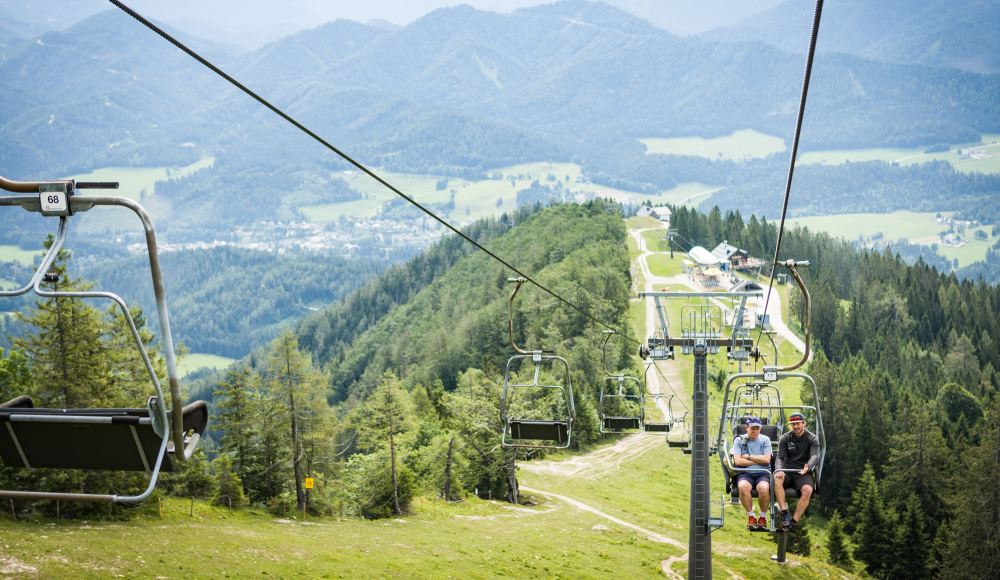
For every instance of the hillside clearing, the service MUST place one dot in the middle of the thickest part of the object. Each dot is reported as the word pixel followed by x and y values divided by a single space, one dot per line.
pixel 732 147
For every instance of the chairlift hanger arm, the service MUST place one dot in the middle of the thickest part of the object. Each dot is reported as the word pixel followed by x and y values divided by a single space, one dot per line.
pixel 793 266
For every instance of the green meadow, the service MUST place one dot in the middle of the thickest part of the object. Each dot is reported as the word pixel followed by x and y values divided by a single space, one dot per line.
pixel 16 254
pixel 914 155
pixel 732 147
pixel 917 227
pixel 194 361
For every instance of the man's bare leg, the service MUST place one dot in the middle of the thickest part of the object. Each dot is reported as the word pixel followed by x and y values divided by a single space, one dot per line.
pixel 779 490
pixel 803 502
pixel 745 498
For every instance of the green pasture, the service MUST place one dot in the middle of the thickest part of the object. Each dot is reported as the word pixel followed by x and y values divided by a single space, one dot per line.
pixel 9 285
pixel 643 222
pixel 194 361
pixel 733 147
pixel 16 254
pixel 914 155
pixel 917 227
pixel 132 180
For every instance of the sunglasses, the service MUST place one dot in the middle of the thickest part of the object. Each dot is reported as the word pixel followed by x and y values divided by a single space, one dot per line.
pixel 796 422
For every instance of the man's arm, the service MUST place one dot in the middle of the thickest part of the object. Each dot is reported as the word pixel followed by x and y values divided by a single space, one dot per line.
pixel 779 463
pixel 738 454
pixel 764 458
pixel 813 453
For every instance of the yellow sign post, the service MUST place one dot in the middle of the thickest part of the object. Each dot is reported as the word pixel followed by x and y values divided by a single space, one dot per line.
pixel 309 483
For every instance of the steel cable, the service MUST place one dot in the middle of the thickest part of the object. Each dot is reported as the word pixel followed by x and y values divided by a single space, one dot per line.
pixel 795 147
pixel 347 158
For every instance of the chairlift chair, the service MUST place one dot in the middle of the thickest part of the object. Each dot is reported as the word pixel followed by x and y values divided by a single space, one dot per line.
pixel 622 396
pixel 522 427
pixel 758 396
pixel 141 439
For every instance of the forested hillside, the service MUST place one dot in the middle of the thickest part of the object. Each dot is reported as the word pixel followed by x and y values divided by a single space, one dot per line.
pixel 906 371
pixel 226 300
pixel 953 33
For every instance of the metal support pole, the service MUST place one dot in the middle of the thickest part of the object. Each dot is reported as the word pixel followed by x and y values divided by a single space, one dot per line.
pixel 782 545
pixel 700 538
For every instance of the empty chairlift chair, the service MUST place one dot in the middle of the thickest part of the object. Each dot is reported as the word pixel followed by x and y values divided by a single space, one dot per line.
pixel 519 403
pixel 621 405
pixel 141 439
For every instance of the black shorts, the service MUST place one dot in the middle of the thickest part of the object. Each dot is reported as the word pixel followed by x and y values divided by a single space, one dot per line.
pixel 796 480
pixel 754 477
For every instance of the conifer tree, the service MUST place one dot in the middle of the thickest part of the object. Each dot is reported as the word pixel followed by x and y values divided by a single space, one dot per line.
pixel 228 487
pixel 874 527
pixel 295 384
pixel 799 542
pixel 129 383
pixel 911 545
pixel 63 345
pixel 386 415
pixel 836 542
pixel 15 375
pixel 238 417
pixel 920 463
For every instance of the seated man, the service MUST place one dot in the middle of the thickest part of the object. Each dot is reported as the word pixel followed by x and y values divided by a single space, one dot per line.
pixel 797 449
pixel 753 452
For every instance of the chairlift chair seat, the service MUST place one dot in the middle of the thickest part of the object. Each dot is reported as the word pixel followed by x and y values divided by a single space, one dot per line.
pixel 539 430
pixel 99 439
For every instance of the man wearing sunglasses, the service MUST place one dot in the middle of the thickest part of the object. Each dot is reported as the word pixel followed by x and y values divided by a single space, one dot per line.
pixel 797 449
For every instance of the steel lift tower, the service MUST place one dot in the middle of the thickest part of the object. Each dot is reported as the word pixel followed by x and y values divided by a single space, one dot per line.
pixel 701 335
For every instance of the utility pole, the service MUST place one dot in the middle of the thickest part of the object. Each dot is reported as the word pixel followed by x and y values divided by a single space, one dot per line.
pixel 670 236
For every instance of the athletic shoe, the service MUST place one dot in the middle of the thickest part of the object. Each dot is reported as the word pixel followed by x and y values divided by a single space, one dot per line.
pixel 792 524
pixel 761 523
pixel 786 521
pixel 752 524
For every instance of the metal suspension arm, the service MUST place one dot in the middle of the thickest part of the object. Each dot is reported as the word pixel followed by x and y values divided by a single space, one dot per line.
pixel 792 265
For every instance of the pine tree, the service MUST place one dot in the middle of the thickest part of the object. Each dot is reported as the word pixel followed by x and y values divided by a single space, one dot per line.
pixel 228 487
pixel 873 534
pixel 295 384
pixel 920 463
pixel 386 415
pixel 973 550
pixel 15 375
pixel 64 346
pixel 911 545
pixel 836 542
pixel 799 542
pixel 129 383
pixel 238 416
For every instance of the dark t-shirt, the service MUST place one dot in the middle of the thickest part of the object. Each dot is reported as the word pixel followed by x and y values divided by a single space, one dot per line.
pixel 796 452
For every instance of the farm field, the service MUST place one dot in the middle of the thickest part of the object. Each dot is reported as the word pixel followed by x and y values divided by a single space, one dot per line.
pixel 15 253
pixel 732 147
pixel 132 180
pixel 478 199
pixel 914 155
pixel 194 361
pixel 914 226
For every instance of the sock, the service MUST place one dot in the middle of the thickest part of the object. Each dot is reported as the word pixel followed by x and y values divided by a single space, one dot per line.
pixel 751 513
pixel 784 512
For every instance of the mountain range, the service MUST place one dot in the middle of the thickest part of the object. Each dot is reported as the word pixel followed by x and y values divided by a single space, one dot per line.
pixel 456 92
pixel 949 33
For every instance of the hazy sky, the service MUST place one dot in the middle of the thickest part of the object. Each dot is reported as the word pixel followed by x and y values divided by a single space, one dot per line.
pixel 254 22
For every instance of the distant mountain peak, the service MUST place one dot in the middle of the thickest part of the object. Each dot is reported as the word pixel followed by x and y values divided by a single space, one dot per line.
pixel 383 24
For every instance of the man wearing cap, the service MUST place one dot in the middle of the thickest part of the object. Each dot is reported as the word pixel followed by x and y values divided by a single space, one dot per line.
pixel 753 453
pixel 797 449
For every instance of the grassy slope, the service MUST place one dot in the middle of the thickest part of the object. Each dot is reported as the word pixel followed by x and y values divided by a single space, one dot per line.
pixel 915 155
